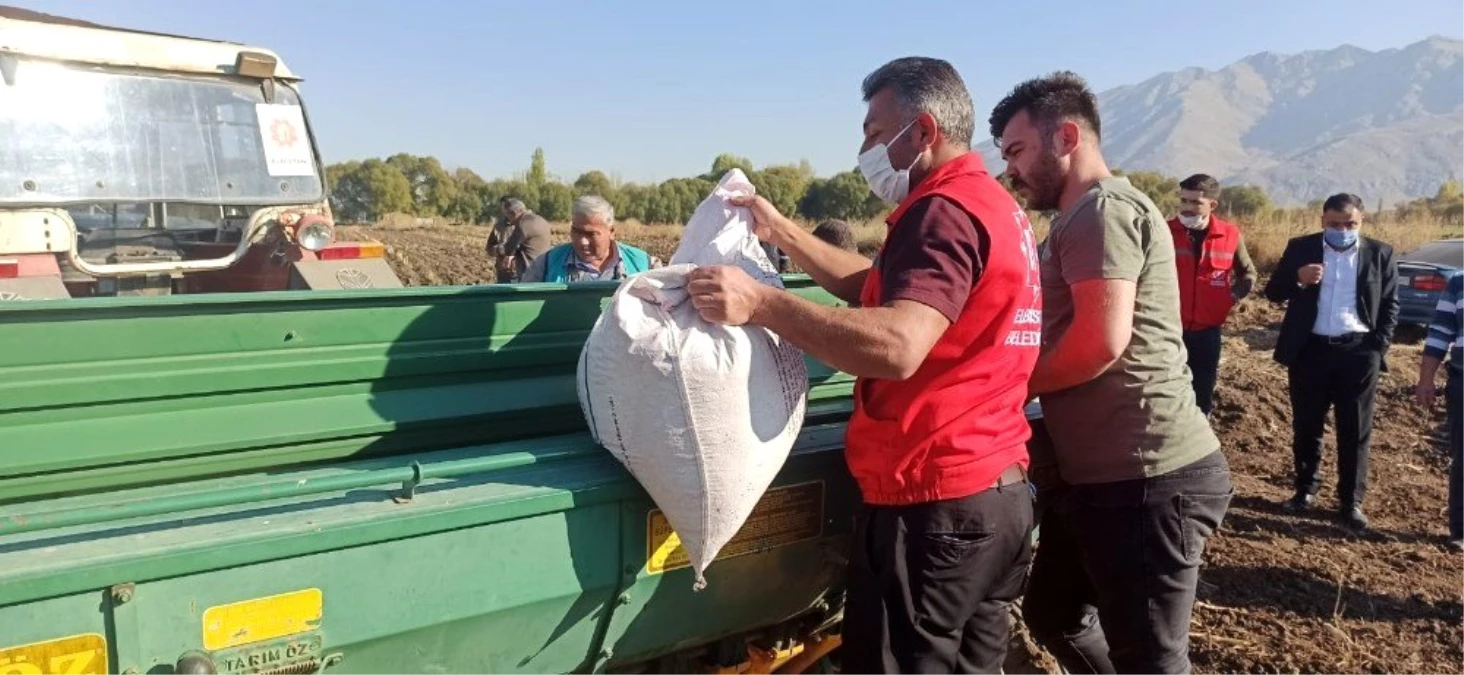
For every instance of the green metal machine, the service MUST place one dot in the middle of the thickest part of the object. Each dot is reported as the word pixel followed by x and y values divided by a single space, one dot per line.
pixel 371 481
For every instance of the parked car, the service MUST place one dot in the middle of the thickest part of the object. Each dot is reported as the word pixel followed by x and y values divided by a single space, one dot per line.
pixel 1422 275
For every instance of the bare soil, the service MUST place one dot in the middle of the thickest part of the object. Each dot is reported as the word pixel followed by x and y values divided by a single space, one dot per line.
pixel 1280 593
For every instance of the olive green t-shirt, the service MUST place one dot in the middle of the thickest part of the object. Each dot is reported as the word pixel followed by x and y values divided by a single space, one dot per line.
pixel 1139 418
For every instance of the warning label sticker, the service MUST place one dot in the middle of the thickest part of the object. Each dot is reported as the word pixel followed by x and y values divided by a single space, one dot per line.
pixel 784 516
pixel 286 147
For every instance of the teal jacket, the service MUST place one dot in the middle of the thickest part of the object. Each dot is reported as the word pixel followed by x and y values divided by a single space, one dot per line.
pixel 556 268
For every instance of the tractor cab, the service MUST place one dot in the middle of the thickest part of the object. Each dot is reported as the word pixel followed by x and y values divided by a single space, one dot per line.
pixel 143 164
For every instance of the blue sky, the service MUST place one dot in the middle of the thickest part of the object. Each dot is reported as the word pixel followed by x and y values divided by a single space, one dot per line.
pixel 480 84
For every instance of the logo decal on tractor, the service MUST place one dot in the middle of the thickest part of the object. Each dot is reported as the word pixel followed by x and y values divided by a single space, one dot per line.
pixel 353 278
pixel 283 133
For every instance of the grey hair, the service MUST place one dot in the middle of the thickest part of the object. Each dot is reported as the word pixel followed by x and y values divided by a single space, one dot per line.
pixel 927 85
pixel 516 204
pixel 594 205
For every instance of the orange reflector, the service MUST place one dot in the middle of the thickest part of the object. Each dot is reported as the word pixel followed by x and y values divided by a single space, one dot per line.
pixel 351 251
pixel 9 269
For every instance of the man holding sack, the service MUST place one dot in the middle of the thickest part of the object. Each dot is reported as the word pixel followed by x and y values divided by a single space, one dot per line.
pixel 943 341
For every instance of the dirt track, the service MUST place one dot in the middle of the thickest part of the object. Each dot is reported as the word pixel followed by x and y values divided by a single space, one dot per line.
pixel 1280 592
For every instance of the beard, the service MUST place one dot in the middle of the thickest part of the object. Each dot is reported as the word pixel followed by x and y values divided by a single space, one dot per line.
pixel 1043 183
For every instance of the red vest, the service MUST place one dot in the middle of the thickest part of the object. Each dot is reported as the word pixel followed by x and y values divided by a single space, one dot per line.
pixel 1204 283
pixel 952 428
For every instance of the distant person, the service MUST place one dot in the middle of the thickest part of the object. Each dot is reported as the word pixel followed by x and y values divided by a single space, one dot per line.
pixel 1446 340
pixel 1215 272
pixel 1342 306
pixel 498 236
pixel 592 253
pixel 528 238
pixel 1142 483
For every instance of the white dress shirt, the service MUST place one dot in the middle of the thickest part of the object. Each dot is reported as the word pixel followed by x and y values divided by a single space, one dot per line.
pixel 1337 305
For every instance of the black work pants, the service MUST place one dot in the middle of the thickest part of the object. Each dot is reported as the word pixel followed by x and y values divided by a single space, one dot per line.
pixel 1340 375
pixel 1117 565
pixel 1453 398
pixel 1203 347
pixel 930 585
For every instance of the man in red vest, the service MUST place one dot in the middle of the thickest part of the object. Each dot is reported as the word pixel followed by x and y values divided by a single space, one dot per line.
pixel 943 341
pixel 1215 272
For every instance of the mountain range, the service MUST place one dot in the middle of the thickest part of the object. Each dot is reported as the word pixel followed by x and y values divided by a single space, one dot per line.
pixel 1386 125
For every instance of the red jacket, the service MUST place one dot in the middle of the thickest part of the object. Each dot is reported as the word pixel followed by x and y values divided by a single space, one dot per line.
pixel 1205 296
pixel 951 429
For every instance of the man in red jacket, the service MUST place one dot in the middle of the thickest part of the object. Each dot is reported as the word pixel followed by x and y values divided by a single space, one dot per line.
pixel 945 336
pixel 1215 272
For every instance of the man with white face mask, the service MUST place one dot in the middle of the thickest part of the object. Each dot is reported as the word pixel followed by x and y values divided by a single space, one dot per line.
pixel 943 341
pixel 1215 272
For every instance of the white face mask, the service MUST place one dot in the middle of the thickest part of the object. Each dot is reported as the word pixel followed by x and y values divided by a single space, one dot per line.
pixel 884 180
pixel 1194 222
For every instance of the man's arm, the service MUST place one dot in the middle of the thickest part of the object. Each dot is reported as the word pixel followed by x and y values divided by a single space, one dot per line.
pixel 1442 334
pixel 1245 271
pixel 887 342
pixel 1103 324
pixel 1282 285
pixel 839 272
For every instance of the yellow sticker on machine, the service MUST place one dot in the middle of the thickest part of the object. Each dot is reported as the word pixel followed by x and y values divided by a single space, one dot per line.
pixel 262 619
pixel 75 655
pixel 784 516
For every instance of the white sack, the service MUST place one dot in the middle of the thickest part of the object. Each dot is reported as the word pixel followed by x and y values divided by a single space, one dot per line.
pixel 703 415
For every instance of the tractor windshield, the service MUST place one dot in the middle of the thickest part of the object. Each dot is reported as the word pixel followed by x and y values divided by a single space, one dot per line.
pixel 77 134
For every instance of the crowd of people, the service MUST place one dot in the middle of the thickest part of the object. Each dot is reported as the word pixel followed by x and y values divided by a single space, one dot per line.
pixel 1113 323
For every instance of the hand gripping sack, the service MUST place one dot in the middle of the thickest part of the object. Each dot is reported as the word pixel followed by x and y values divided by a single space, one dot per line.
pixel 703 415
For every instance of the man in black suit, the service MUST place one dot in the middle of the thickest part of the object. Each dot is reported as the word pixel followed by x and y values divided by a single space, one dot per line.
pixel 1341 290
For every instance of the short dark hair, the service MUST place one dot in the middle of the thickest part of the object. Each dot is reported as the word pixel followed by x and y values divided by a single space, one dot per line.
pixel 838 233
pixel 927 85
pixel 1049 100
pixel 1342 201
pixel 1202 183
pixel 505 200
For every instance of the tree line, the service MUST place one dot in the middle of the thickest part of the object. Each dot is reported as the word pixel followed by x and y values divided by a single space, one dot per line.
pixel 365 191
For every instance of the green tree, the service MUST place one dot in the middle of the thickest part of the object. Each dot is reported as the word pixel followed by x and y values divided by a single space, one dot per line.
pixel 844 196
pixel 555 201
pixel 432 189
pixel 538 174
pixel 594 183
pixel 1163 190
pixel 784 186
pixel 726 162
pixel 1246 202
pixel 366 191
pixel 471 202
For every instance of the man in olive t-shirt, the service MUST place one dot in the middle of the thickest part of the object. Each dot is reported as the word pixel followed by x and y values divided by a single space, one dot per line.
pixel 1141 482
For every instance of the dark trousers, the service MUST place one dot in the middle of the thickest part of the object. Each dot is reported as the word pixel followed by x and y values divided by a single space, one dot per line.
pixel 1204 364
pixel 1345 377
pixel 930 585
pixel 1117 564
pixel 1453 398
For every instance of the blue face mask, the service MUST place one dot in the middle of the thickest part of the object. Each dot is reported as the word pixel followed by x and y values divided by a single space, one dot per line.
pixel 1340 239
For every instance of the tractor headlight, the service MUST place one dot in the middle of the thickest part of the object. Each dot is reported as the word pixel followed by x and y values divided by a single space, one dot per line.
pixel 314 233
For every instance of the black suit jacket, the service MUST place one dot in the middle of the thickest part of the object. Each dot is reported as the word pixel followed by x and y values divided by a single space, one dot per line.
pixel 1377 294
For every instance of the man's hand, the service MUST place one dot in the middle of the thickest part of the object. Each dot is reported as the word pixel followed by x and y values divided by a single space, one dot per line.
pixel 1426 394
pixel 767 223
pixel 725 294
pixel 1310 275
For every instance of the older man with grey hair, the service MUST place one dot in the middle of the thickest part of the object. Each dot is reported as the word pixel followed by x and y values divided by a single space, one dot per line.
pixel 592 253
pixel 523 237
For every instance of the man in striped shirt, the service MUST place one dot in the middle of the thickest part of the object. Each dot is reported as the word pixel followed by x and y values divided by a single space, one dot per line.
pixel 1446 338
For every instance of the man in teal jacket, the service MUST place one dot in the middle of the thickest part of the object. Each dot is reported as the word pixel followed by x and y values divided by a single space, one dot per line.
pixel 592 253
